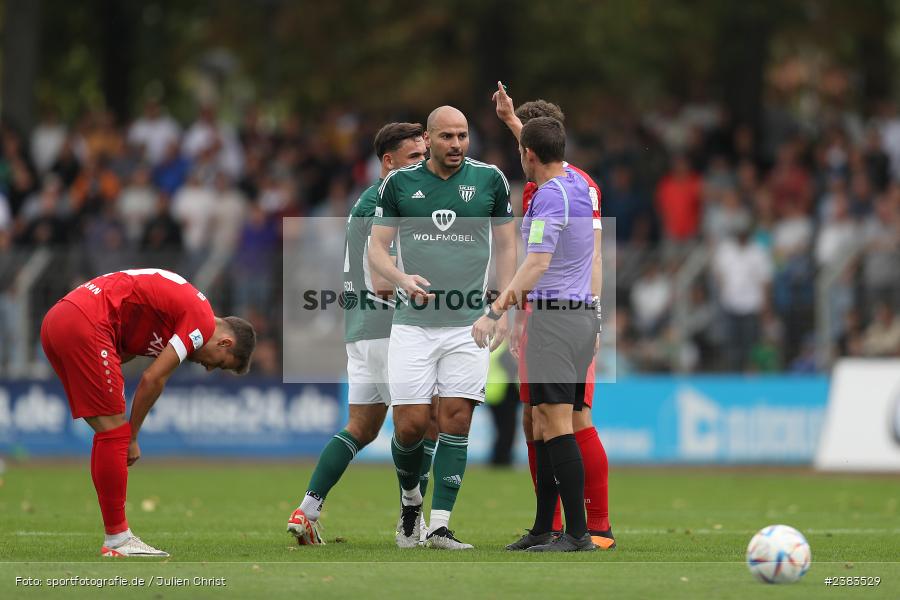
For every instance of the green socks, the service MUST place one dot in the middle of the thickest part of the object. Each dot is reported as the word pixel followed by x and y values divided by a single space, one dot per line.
pixel 449 468
pixel 426 465
pixel 408 462
pixel 333 461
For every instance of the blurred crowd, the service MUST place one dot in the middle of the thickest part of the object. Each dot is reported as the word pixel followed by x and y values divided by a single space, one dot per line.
pixel 765 215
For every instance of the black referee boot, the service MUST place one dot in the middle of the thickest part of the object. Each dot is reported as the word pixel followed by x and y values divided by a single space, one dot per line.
pixel 566 543
pixel 529 539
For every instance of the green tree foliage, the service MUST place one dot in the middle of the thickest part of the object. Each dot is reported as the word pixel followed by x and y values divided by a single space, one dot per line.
pixel 378 55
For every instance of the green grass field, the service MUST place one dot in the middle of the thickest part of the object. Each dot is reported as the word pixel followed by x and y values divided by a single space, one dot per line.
pixel 681 533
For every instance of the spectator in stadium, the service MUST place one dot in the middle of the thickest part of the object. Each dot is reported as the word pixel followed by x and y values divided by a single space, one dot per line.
pixel 793 233
pixel 889 130
pixel 208 135
pixel 651 299
pixel 743 272
pixel 105 243
pixel 5 213
pixel 850 341
pixel 228 215
pixel 161 241
pixel 67 165
pixel 765 357
pixel 862 195
pixel 623 201
pixel 882 337
pixel 95 186
pixel 875 162
pixel 17 176
pixel 678 203
pixel 11 260
pixel 47 140
pixel 251 273
pixel 137 204
pixel 881 235
pixel 172 171
pixel 838 234
pixel 99 138
pixel 153 133
pixel 724 215
pixel 42 222
pixel 790 181
pixel 193 208
pixel 747 182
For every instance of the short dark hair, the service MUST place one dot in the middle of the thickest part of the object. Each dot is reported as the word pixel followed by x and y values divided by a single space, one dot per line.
pixel 392 135
pixel 539 108
pixel 546 137
pixel 244 342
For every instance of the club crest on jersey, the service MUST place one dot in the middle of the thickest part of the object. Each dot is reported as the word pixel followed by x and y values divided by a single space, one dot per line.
pixel 467 192
pixel 443 219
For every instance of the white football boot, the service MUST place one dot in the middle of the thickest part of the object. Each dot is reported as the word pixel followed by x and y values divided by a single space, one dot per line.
pixel 133 546
pixel 442 539
pixel 410 527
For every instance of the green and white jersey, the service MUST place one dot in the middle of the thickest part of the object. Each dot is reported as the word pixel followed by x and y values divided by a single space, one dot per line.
pixel 366 316
pixel 444 234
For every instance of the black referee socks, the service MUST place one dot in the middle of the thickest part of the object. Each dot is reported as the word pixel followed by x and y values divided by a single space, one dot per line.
pixel 545 489
pixel 568 468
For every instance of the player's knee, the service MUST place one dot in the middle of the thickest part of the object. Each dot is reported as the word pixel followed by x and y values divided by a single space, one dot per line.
pixel 456 421
pixel 408 434
pixel 409 429
pixel 582 419
pixel 364 433
pixel 527 424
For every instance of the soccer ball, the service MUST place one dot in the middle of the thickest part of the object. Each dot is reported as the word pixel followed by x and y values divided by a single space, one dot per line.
pixel 778 554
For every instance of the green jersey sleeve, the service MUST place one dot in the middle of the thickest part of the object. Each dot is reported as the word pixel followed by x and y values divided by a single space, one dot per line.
pixel 386 212
pixel 502 210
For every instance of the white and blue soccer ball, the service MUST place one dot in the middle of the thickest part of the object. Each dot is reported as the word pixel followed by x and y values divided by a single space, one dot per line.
pixel 778 554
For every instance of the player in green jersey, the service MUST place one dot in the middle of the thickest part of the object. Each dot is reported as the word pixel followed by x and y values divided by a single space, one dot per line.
pixel 448 214
pixel 367 328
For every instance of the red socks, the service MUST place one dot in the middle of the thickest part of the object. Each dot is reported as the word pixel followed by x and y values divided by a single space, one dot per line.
pixel 109 470
pixel 532 466
pixel 596 479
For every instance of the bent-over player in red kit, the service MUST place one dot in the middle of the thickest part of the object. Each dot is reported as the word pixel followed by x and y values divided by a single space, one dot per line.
pixel 106 322
pixel 596 464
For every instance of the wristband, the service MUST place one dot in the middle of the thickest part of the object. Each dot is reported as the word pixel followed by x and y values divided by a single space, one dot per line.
pixel 491 314
pixel 598 313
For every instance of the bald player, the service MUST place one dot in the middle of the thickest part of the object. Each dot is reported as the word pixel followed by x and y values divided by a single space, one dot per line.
pixel 449 213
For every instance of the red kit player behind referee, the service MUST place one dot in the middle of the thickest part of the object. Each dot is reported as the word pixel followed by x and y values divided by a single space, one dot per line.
pixel 106 322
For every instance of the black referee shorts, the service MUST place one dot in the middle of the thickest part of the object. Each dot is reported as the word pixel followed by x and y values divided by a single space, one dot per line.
pixel 559 350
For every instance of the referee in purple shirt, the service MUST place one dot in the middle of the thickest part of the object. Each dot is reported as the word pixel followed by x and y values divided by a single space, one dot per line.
pixel 559 237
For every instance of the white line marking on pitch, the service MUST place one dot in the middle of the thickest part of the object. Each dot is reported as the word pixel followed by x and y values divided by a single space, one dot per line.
pixel 677 531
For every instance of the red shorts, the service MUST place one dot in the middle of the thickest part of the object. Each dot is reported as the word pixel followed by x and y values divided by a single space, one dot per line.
pixel 523 368
pixel 83 354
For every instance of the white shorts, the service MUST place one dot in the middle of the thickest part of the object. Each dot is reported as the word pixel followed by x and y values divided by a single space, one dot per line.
pixel 367 372
pixel 435 361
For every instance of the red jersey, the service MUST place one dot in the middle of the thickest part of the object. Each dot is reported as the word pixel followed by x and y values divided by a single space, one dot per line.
pixel 531 187
pixel 146 310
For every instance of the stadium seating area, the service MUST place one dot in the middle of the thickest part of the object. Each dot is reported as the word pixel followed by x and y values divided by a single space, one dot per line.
pixel 820 197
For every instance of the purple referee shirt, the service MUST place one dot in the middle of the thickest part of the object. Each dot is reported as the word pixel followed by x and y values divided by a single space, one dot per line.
pixel 559 220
